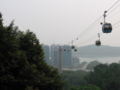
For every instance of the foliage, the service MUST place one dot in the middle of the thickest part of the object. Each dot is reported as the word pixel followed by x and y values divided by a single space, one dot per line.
pixel 88 87
pixel 92 64
pixel 74 78
pixel 22 61
pixel 107 77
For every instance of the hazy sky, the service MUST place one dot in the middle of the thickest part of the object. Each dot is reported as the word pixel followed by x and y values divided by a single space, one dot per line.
pixel 60 21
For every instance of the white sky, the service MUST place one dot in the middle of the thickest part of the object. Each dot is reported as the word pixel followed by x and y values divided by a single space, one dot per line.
pixel 60 21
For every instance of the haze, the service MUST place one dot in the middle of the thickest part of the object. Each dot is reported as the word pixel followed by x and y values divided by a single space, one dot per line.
pixel 60 21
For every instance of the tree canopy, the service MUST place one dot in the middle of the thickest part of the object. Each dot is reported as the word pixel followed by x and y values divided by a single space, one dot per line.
pixel 107 77
pixel 22 61
pixel 87 87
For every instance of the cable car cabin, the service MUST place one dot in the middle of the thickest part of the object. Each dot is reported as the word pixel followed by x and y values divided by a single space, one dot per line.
pixel 98 43
pixel 73 47
pixel 107 28
pixel 75 50
pixel 64 49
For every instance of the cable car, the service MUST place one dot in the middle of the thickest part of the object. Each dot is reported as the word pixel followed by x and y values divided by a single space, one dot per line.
pixel 75 50
pixel 98 43
pixel 107 28
pixel 73 47
pixel 64 49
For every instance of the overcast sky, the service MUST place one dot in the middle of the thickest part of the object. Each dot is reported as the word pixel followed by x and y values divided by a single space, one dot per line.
pixel 60 21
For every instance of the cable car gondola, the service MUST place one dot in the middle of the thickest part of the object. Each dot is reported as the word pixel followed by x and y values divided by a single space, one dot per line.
pixel 107 28
pixel 75 50
pixel 73 47
pixel 64 49
pixel 98 43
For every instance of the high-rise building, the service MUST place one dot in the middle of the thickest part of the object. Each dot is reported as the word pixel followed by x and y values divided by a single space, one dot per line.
pixel 55 55
pixel 60 56
pixel 67 57
pixel 46 50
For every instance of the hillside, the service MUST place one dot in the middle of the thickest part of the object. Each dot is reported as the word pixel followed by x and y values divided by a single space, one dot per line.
pixel 100 51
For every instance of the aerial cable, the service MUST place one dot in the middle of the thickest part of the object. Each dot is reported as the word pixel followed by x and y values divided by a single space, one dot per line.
pixel 113 9
pixel 88 28
pixel 114 13
pixel 113 5
pixel 110 10
pixel 86 41
pixel 92 36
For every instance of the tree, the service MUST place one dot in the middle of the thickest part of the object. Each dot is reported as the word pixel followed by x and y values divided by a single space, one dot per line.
pixel 74 78
pixel 92 64
pixel 107 77
pixel 89 87
pixel 22 61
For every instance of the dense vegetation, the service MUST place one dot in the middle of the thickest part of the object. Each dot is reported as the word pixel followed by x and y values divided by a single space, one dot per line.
pixel 92 64
pixel 103 77
pixel 74 79
pixel 87 87
pixel 107 77
pixel 22 63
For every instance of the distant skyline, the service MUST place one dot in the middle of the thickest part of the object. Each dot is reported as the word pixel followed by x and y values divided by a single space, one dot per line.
pixel 61 21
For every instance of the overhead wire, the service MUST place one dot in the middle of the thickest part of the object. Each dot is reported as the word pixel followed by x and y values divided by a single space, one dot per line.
pixel 112 6
pixel 115 25
pixel 88 29
pixel 91 33
pixel 86 41
pixel 90 26
pixel 109 11
pixel 114 11
pixel 88 38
